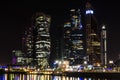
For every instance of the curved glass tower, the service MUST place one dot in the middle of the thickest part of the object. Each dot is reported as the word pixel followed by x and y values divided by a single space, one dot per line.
pixel 42 40
pixel 38 41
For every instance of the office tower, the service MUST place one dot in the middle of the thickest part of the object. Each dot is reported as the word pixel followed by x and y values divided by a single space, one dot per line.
pixel 28 46
pixel 74 38
pixel 92 36
pixel 41 40
pixel 57 46
pixel 67 40
pixel 58 42
pixel 38 41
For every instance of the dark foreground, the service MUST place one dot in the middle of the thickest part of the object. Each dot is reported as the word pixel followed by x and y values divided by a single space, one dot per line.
pixel 94 74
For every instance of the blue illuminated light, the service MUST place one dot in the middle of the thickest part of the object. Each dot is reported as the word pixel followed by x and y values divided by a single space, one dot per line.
pixel 81 26
pixel 81 79
pixel 89 12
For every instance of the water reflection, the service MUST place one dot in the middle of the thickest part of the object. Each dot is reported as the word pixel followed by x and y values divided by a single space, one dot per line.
pixel 42 77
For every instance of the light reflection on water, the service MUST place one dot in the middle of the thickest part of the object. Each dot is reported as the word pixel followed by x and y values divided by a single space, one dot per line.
pixel 43 77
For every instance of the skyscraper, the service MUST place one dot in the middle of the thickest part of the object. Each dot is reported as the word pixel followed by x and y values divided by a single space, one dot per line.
pixel 92 37
pixel 67 40
pixel 28 48
pixel 74 38
pixel 38 41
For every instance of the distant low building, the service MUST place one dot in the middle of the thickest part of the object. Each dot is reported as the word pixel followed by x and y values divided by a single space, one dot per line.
pixel 18 57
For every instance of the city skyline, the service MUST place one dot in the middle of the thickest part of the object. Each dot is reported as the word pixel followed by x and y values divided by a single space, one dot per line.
pixel 16 17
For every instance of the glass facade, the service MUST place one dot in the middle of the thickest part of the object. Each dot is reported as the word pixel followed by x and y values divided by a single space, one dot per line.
pixel 38 41
pixel 92 37
pixel 74 38
pixel 42 40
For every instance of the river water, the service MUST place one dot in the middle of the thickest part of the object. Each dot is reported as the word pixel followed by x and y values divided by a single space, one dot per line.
pixel 45 77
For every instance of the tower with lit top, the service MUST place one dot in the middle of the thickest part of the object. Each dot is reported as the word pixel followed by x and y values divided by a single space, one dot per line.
pixel 104 46
pixel 92 36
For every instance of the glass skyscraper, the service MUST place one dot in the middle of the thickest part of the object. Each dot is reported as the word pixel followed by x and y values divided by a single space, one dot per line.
pixel 38 41
pixel 93 48
pixel 74 38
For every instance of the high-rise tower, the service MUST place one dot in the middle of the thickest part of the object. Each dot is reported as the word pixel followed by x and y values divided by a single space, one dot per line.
pixel 92 36
pixel 67 40
pixel 27 46
pixel 38 41
pixel 42 43
pixel 74 38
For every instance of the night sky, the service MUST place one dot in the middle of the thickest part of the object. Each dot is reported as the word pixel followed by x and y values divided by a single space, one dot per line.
pixel 15 18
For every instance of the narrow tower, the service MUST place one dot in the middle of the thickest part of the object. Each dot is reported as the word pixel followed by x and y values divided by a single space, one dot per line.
pixel 103 46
